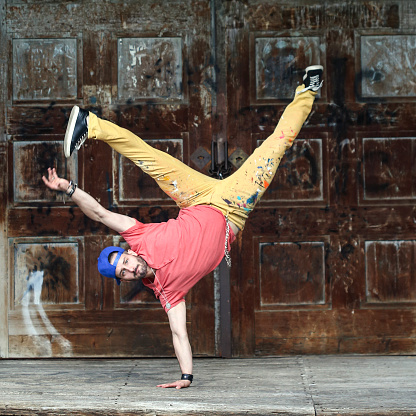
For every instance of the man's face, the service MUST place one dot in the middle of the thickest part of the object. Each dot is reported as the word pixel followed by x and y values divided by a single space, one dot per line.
pixel 131 267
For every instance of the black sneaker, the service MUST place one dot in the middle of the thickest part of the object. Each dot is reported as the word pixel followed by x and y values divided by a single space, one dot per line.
pixel 76 131
pixel 313 78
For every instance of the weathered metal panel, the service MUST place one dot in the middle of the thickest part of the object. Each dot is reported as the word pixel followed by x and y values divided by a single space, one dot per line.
pixel 304 15
pixel 292 273
pixel 131 16
pixel 31 160
pixel 45 273
pixel 388 168
pixel 44 69
pixel 407 14
pixel 150 68
pixel 78 333
pixel 390 271
pixel 335 331
pixel 279 61
pixel 387 66
pixel 46 276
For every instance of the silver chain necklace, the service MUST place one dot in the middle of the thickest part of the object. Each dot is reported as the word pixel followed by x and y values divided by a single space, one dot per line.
pixel 227 233
pixel 161 293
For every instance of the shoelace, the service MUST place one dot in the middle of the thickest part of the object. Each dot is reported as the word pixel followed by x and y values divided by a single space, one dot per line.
pixel 81 141
pixel 314 82
pixel 314 85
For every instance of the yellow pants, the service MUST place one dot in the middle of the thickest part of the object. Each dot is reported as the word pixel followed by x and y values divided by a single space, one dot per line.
pixel 235 196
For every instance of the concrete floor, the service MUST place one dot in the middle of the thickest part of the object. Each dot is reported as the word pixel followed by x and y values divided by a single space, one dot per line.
pixel 298 385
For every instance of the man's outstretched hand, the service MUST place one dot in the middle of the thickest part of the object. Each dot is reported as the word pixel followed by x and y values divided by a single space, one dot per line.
pixel 54 182
pixel 180 384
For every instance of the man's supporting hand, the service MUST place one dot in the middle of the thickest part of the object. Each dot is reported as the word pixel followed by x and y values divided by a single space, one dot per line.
pixel 179 384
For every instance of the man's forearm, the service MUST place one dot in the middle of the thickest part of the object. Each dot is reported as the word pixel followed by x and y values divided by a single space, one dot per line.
pixel 88 205
pixel 183 353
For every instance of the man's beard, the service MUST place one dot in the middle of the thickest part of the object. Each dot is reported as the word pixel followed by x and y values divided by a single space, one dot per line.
pixel 141 269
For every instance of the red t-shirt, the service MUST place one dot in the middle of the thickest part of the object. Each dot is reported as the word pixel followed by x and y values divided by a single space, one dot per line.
pixel 181 250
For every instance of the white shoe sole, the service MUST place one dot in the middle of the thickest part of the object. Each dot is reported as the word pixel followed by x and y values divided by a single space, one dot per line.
pixel 70 130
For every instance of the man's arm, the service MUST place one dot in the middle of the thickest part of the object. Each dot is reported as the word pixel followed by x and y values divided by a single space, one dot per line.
pixel 177 321
pixel 88 205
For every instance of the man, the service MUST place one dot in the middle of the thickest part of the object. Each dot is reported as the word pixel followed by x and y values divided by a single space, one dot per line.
pixel 171 257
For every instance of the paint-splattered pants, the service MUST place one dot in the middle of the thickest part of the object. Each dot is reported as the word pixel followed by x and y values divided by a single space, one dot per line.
pixel 235 196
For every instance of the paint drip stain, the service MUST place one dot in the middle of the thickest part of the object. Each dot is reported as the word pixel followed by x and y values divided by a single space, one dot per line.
pixel 175 185
pixel 253 198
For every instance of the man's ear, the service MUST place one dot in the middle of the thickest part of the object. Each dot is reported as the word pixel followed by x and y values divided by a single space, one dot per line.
pixel 132 252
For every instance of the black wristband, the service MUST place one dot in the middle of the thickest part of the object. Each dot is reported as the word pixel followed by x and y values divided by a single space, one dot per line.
pixel 189 377
pixel 73 186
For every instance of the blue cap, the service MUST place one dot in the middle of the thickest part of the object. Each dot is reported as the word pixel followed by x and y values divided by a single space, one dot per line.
pixel 104 266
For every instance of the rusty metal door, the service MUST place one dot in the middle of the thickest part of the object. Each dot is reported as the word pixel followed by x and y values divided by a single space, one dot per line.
pixel 146 66
pixel 325 264
pixel 327 261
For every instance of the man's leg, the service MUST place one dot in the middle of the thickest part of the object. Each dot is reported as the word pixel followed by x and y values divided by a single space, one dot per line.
pixel 238 194
pixel 183 184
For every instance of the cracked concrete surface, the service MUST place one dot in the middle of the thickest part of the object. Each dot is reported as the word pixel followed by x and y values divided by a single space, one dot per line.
pixel 297 385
